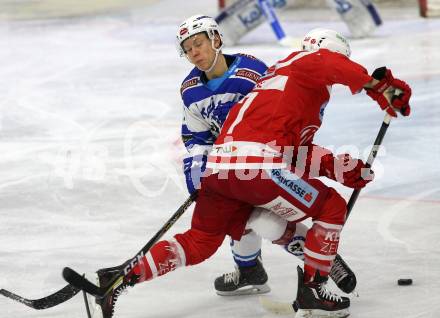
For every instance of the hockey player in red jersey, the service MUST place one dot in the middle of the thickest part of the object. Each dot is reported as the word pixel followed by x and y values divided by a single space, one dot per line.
pixel 265 157
pixel 213 86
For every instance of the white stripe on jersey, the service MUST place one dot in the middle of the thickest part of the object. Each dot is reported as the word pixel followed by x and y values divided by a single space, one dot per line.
pixel 152 264
pixel 293 59
pixel 234 155
pixel 277 82
pixel 329 225
pixel 247 102
pixel 244 165
pixel 244 148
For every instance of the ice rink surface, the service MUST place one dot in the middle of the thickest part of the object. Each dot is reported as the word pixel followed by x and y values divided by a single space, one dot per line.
pixel 90 163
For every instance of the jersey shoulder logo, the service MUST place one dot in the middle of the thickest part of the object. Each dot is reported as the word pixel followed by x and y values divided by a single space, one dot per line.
pixel 248 74
pixel 188 83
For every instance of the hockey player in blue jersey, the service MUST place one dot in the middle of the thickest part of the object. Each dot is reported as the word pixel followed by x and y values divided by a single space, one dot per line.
pixel 212 87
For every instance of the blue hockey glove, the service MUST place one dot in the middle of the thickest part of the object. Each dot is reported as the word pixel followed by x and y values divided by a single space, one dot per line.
pixel 193 167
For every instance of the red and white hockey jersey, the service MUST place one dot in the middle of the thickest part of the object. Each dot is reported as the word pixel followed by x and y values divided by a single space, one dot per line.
pixel 283 111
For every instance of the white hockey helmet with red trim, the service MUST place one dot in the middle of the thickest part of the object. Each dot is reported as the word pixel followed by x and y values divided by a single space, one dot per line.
pixel 326 39
pixel 197 24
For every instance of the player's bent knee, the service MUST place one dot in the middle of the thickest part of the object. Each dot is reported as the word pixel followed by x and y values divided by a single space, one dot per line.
pixel 199 245
pixel 334 209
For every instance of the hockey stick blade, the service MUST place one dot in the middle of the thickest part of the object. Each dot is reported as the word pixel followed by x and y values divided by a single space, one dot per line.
pixel 276 307
pixel 80 282
pixel 52 300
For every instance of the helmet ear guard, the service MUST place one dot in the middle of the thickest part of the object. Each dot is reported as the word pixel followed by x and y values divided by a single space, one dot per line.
pixel 326 39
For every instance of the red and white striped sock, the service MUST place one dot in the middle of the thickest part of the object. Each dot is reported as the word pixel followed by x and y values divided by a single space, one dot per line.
pixel 163 257
pixel 320 249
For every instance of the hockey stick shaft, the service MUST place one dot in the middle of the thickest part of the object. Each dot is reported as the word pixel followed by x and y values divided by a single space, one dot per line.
pixel 373 153
pixel 180 211
pixel 86 303
pixel 80 282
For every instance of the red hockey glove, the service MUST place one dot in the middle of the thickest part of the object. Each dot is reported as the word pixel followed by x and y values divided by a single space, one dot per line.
pixel 345 170
pixel 400 100
pixel 288 234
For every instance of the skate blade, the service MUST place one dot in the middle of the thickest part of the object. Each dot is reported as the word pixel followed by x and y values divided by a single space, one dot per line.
pixel 94 310
pixel 247 290
pixel 316 313
pixel 276 307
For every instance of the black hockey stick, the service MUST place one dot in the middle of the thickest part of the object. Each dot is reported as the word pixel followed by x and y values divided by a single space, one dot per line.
pixel 378 74
pixel 52 300
pixel 373 153
pixel 81 282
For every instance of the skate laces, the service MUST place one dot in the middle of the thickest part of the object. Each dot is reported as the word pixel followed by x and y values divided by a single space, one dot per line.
pixel 338 272
pixel 233 277
pixel 327 294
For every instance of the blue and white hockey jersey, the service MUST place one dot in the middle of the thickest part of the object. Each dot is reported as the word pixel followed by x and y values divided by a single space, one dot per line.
pixel 206 105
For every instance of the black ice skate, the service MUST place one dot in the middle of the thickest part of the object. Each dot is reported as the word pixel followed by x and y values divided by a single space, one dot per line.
pixel 342 275
pixel 243 281
pixel 314 300
pixel 104 307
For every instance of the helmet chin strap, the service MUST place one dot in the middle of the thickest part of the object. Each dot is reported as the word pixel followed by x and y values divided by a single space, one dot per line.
pixel 217 52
